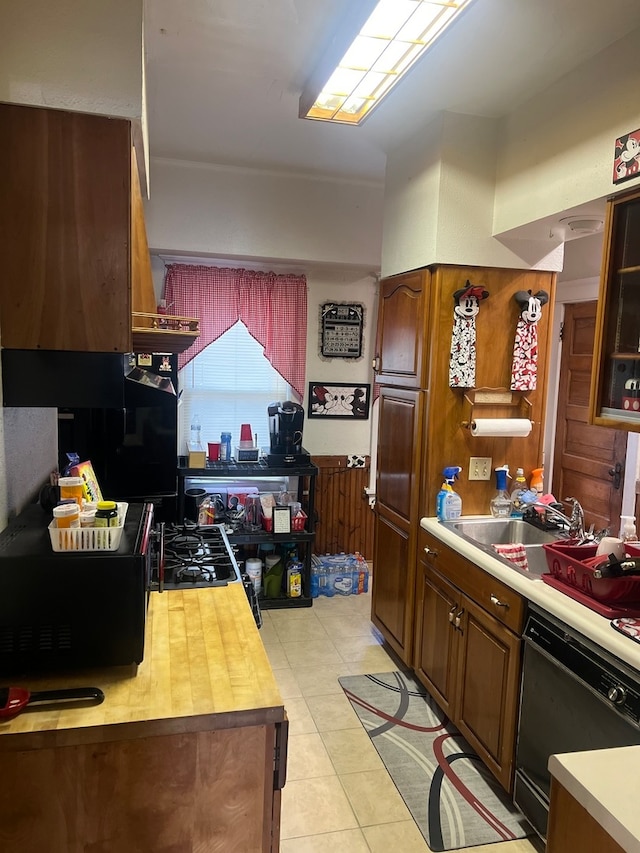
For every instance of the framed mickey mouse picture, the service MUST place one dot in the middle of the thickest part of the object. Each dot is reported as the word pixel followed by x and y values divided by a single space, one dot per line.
pixel 339 400
pixel 626 163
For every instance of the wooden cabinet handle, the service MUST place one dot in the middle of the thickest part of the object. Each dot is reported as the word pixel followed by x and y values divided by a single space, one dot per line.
pixel 496 601
pixel 430 553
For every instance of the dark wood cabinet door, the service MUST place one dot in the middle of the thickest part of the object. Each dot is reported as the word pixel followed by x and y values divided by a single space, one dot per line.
pixel 436 644
pixel 65 230
pixel 393 580
pixel 402 320
pixel 400 421
pixel 487 689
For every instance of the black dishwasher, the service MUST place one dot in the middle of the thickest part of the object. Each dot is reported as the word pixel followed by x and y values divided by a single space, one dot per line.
pixel 574 697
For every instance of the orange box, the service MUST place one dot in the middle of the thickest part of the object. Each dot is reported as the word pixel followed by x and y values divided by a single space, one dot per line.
pixel 90 488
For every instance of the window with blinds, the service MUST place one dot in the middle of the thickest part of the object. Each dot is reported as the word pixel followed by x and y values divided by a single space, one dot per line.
pixel 228 384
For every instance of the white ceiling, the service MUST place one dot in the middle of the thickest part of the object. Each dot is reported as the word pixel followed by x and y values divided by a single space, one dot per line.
pixel 224 76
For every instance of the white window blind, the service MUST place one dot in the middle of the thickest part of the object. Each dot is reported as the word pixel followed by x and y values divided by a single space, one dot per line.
pixel 228 384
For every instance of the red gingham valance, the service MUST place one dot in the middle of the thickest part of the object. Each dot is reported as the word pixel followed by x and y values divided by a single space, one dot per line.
pixel 272 307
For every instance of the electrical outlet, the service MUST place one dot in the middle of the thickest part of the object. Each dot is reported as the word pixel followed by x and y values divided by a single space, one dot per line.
pixel 480 468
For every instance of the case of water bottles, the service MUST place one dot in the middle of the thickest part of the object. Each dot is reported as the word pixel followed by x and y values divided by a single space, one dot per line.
pixel 339 574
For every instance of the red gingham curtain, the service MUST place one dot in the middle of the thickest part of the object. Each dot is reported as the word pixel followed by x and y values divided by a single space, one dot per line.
pixel 272 307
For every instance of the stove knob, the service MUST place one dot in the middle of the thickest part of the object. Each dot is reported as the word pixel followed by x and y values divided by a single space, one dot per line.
pixel 617 694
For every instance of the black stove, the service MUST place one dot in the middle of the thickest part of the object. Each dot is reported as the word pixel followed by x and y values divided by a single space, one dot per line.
pixel 198 557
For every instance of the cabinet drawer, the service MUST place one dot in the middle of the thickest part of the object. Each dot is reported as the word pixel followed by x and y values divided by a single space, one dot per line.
pixel 498 599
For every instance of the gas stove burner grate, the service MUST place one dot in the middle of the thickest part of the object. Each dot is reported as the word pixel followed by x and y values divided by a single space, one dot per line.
pixel 193 574
pixel 198 556
pixel 183 542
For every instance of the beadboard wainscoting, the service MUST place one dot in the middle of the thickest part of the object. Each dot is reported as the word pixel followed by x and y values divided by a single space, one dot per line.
pixel 344 518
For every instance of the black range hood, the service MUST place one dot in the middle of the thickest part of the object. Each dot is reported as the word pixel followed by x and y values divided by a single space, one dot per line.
pixel 53 379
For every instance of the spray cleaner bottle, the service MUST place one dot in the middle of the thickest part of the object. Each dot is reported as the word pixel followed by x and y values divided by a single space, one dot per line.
pixel 500 504
pixel 448 502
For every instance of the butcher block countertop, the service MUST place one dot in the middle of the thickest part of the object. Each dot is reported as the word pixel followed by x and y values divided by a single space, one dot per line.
pixel 204 668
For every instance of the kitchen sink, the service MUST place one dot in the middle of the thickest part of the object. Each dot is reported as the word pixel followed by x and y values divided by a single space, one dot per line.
pixel 485 532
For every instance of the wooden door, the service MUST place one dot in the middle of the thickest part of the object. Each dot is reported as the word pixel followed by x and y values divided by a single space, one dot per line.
pixel 393 578
pixel 487 690
pixel 585 456
pixel 401 414
pixel 402 319
pixel 400 419
pixel 437 603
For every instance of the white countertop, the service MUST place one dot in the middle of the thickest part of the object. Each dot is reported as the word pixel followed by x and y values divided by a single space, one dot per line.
pixel 587 622
pixel 606 783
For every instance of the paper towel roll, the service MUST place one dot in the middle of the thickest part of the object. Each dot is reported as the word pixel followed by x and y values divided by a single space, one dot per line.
pixel 519 427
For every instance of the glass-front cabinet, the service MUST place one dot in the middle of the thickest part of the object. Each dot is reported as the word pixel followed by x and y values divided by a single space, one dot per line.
pixel 615 382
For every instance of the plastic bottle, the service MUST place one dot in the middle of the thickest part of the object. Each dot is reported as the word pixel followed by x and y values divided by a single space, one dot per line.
pixel 196 433
pixel 519 489
pixel 537 484
pixel 225 447
pixel 500 504
pixel 448 502
pixel 67 515
pixel 106 514
pixel 628 528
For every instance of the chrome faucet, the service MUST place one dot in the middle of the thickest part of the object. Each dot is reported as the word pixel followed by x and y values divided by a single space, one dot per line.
pixel 573 524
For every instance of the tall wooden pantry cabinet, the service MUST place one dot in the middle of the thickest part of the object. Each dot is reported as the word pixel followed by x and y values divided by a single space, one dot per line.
pixel 422 421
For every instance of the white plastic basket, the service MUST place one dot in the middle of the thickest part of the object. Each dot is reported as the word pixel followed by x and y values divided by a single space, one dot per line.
pixel 76 539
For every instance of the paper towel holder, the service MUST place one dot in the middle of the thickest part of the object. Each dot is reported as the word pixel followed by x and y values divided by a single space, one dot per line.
pixel 494 403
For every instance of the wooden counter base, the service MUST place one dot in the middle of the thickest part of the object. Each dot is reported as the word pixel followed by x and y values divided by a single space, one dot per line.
pixel 203 778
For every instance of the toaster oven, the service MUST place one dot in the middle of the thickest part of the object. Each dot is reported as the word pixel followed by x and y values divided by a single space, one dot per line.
pixel 70 610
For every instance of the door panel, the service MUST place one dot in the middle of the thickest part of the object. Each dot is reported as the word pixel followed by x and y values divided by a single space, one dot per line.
pixel 488 675
pixel 392 584
pixel 584 454
pixel 400 419
pixel 402 319
pixel 436 638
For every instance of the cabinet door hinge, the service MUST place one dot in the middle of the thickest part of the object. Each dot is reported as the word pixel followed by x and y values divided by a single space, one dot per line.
pixel 561 335
pixel 280 755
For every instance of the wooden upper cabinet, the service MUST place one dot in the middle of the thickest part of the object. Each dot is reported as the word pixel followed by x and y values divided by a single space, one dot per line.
pixel 615 379
pixel 65 230
pixel 402 320
pixel 143 296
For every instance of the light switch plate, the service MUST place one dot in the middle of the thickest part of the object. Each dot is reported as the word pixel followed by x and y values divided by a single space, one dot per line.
pixel 480 468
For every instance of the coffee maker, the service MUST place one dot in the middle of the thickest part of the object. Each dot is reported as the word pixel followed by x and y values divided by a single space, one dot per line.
pixel 285 433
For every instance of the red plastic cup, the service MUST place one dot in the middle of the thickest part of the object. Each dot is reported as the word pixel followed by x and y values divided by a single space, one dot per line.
pixel 245 433
pixel 214 451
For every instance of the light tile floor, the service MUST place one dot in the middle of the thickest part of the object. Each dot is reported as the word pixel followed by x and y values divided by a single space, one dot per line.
pixel 338 795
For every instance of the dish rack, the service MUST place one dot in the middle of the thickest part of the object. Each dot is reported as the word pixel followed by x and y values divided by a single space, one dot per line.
pixel 569 566
pixel 77 539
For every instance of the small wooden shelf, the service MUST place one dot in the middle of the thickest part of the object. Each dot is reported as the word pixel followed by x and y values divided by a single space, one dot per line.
pixel 163 332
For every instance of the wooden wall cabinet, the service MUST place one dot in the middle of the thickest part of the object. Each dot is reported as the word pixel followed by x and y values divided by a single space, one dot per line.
pixel 72 233
pixel 420 416
pixel 615 381
pixel 403 316
pixel 467 651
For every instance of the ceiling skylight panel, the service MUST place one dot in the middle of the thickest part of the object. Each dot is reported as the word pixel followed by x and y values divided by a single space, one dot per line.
pixel 396 33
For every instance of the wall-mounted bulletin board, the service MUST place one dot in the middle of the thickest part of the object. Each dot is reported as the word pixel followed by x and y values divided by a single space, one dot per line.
pixel 341 330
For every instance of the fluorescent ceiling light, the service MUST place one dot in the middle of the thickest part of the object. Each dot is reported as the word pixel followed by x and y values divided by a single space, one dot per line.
pixel 394 36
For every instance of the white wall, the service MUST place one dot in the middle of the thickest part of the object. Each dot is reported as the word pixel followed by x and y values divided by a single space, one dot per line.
pixel 237 213
pixel 324 436
pixel 439 202
pixel 73 55
pixel 76 55
pixel 557 149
